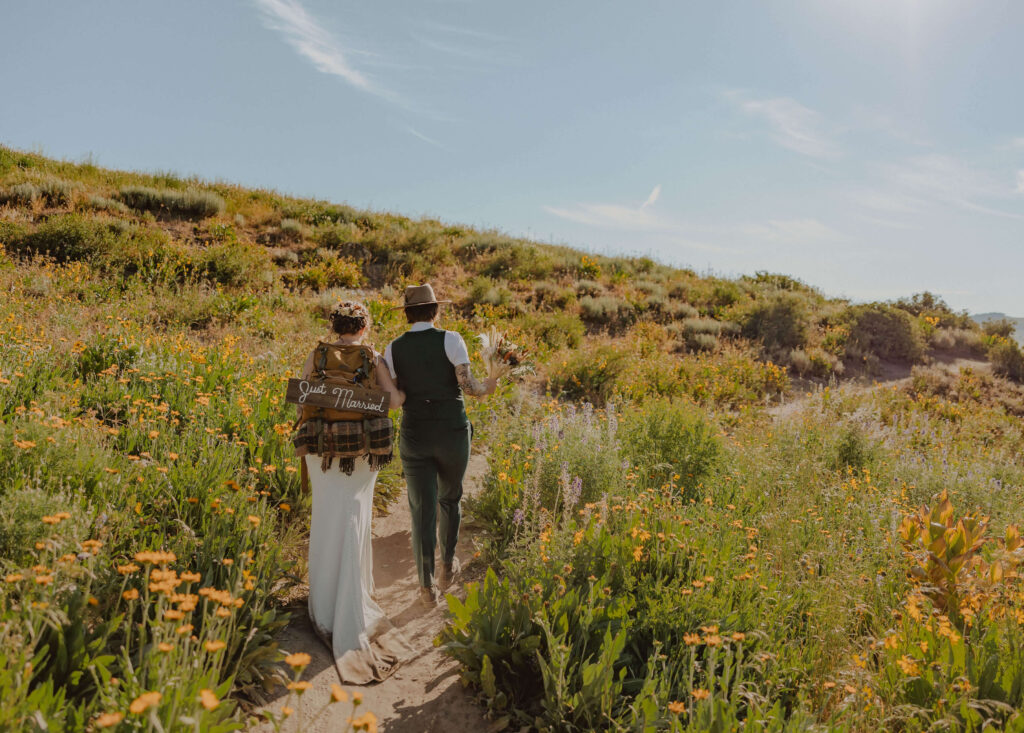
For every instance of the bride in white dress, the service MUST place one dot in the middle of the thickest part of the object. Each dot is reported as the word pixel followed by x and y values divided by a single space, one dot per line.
pixel 365 645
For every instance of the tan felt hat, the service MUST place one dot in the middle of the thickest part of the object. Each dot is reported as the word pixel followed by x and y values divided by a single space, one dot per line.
pixel 420 295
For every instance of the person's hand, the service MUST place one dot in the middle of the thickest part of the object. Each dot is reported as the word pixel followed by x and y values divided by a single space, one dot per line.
pixel 492 384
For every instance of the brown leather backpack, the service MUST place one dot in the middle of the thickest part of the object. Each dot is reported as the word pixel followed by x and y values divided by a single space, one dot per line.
pixel 352 364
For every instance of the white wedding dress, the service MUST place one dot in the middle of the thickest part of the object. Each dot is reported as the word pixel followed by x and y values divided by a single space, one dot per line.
pixel 365 644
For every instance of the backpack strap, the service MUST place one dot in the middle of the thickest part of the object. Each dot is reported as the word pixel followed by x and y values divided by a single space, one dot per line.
pixel 320 362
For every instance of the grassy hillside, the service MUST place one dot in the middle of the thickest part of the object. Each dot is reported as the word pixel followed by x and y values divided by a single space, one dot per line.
pixel 171 233
pixel 674 559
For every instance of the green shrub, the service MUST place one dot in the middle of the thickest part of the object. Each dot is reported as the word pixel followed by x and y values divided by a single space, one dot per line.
pixel 776 281
pixel 335 236
pixel 484 290
pixel 693 326
pixel 52 191
pixel 853 449
pixel 958 339
pixel 1007 360
pixel 66 237
pixel 607 310
pixel 557 330
pixel 590 374
pixel 701 341
pixel 725 293
pixel 101 203
pixel 885 332
pixel 933 308
pixel 779 323
pixel 814 362
pixel 321 275
pixel 21 194
pixel 682 311
pixel 589 287
pixel 234 263
pixel 1002 327
pixel 550 295
pixel 701 334
pixel 291 230
pixel 650 287
pixel 187 204
pixel 520 261
pixel 671 443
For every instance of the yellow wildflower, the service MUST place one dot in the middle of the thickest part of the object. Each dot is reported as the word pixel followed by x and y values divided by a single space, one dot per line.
pixel 144 701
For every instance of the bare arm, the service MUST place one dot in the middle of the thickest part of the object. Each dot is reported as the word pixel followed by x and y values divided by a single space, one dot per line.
pixel 387 384
pixel 470 385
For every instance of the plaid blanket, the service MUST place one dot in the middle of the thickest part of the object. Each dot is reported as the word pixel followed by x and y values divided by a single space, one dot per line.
pixel 346 440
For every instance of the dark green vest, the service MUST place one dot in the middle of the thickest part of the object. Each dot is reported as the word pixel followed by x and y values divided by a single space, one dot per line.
pixel 428 379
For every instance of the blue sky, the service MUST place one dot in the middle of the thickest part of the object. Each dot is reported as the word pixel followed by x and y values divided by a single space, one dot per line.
pixel 873 148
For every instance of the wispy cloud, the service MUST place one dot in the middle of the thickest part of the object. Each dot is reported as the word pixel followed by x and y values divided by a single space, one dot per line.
pixel 793 231
pixel 652 198
pixel 612 216
pixel 463 31
pixel 930 181
pixel 315 43
pixel 733 237
pixel 792 125
pixel 429 140
pixel 1020 181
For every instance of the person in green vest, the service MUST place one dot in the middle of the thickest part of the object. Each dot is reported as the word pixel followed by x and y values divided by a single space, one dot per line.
pixel 431 366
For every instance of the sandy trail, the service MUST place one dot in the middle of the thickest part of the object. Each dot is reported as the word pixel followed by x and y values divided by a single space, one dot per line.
pixel 424 694
pixel 888 376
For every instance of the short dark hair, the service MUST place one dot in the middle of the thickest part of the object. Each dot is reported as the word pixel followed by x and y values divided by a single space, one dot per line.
pixel 345 325
pixel 417 313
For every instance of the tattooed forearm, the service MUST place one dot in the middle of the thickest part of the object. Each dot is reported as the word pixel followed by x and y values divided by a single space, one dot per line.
pixel 469 384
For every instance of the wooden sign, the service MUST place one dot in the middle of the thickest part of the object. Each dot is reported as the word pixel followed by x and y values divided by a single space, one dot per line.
pixel 337 396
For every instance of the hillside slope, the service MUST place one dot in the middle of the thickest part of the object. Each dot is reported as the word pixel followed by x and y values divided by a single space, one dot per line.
pixel 174 233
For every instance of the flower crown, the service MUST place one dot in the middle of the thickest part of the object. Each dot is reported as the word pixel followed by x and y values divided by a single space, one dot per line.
pixel 350 309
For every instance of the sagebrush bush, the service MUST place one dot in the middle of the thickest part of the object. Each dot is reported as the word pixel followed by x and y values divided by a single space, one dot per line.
pixel 682 311
pixel 519 261
pixel 589 287
pixel 814 362
pixel 557 330
pixel 235 263
pixel 779 323
pixel 102 203
pixel 21 194
pixel 66 237
pixel 590 374
pixel 321 275
pixel 1007 359
pixel 187 204
pixel 607 310
pixel 1002 327
pixel 551 295
pixel 52 191
pixel 291 230
pixel 485 290
pixel 885 332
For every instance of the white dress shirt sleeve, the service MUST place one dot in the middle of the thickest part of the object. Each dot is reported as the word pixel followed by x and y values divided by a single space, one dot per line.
pixel 455 348
pixel 388 361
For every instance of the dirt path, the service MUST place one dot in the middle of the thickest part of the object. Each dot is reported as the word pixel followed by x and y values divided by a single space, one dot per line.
pixel 888 376
pixel 424 694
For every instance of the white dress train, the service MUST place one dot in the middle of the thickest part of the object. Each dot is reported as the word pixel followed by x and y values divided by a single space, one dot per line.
pixel 366 646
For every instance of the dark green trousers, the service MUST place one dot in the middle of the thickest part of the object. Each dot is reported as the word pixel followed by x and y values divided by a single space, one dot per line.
pixel 434 458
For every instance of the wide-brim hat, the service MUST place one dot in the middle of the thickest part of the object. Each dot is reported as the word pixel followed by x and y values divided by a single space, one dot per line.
pixel 420 295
